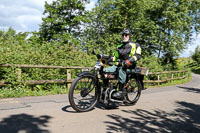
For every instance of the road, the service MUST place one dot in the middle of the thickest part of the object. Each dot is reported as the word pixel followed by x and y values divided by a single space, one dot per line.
pixel 164 109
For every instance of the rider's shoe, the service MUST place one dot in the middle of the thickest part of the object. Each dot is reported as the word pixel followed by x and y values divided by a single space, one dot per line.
pixel 118 95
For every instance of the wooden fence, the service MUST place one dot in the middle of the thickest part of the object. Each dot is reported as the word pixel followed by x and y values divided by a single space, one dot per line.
pixel 158 77
pixel 166 76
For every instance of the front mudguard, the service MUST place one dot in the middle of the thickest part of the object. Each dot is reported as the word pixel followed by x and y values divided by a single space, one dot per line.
pixel 97 80
pixel 86 74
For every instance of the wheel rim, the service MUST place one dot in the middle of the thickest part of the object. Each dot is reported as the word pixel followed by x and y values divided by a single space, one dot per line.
pixel 133 92
pixel 84 93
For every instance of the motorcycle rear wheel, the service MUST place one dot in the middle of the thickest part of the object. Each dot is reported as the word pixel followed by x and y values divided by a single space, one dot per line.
pixel 133 92
pixel 83 94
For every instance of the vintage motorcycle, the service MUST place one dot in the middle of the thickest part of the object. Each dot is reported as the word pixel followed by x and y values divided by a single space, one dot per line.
pixel 89 88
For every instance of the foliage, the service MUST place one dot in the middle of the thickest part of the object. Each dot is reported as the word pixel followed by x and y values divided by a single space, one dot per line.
pixel 173 82
pixel 163 28
pixel 194 65
pixel 68 33
pixel 183 63
pixel 16 49
pixel 196 55
pixel 21 91
pixel 63 19
pixel 151 63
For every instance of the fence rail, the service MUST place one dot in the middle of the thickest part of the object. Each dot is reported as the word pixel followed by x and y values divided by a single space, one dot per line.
pixel 163 77
pixel 159 77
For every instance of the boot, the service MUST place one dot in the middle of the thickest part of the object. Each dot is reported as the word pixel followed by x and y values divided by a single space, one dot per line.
pixel 119 94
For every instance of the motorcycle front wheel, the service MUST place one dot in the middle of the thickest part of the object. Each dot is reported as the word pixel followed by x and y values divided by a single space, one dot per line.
pixel 83 94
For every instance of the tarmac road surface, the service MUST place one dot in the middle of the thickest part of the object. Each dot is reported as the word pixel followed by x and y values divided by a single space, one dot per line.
pixel 165 109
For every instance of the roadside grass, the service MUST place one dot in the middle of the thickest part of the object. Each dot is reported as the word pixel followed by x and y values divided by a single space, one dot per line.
pixel 174 82
pixel 24 91
pixel 42 90
pixel 12 91
pixel 195 67
pixel 196 70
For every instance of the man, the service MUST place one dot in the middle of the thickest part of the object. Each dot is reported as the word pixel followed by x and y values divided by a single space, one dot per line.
pixel 128 53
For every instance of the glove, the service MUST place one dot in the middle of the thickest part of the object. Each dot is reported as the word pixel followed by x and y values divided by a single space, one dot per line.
pixel 126 63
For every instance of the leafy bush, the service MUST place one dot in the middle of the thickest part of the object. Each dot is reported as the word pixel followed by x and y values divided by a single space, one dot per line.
pixel 196 55
pixel 15 48
pixel 151 62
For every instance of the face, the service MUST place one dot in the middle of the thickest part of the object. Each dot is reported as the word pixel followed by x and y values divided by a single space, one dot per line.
pixel 125 37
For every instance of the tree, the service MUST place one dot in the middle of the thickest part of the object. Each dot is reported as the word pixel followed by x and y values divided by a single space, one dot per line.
pixel 163 28
pixel 196 55
pixel 63 18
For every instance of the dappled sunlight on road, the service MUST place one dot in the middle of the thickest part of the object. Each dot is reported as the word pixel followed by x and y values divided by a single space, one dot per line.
pixel 185 118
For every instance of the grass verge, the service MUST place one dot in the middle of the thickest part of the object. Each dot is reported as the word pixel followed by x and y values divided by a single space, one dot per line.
pixel 174 82
pixel 42 90
pixel 24 91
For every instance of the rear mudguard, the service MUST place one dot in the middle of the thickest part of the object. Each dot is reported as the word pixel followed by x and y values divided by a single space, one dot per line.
pixel 141 78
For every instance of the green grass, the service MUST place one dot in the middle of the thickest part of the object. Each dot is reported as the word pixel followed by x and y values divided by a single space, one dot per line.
pixel 41 90
pixel 174 82
pixel 194 66
pixel 196 70
pixel 24 91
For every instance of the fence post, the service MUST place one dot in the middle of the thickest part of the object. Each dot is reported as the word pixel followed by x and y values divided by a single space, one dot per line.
pixel 68 78
pixel 158 80
pixel 184 75
pixel 19 75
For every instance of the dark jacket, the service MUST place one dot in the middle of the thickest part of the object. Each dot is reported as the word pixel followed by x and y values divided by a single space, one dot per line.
pixel 128 51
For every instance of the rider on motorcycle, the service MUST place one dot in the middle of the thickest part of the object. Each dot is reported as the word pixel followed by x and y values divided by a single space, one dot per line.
pixel 128 53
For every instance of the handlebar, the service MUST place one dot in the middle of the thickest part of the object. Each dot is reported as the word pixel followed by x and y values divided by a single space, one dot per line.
pixel 104 59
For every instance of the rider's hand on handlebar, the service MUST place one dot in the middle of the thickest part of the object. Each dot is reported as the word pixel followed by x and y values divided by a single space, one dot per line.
pixel 124 63
pixel 110 61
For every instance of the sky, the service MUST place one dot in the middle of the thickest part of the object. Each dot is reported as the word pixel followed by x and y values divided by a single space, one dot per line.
pixel 191 48
pixel 26 15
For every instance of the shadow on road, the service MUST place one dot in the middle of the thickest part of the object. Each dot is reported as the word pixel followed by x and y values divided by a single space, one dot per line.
pixel 190 89
pixel 111 106
pixel 69 109
pixel 185 118
pixel 24 123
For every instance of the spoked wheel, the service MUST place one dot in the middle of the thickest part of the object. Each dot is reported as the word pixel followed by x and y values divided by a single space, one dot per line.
pixel 133 92
pixel 82 93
